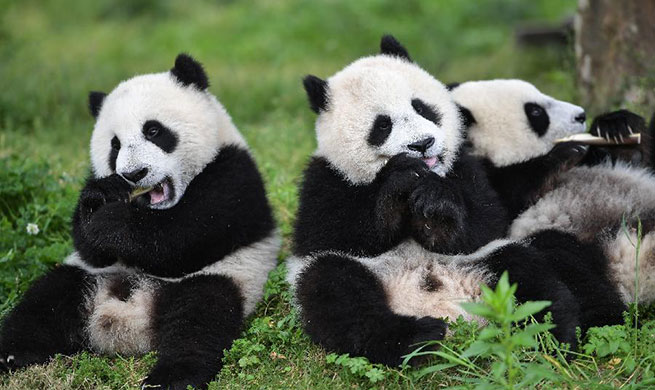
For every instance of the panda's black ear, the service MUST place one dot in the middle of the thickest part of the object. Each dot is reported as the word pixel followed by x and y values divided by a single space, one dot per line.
pixel 451 86
pixel 466 116
pixel 95 102
pixel 189 72
pixel 317 93
pixel 390 46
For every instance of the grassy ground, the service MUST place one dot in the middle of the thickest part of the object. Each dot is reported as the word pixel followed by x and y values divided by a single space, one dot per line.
pixel 255 52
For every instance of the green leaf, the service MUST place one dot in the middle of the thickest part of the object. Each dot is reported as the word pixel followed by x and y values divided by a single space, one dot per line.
pixel 454 359
pixel 375 375
pixel 630 363
pixel 529 308
pixel 535 373
pixel 434 368
pixel 535 329
pixel 478 348
pixel 490 332
pixel 331 358
pixel 524 339
pixel 479 309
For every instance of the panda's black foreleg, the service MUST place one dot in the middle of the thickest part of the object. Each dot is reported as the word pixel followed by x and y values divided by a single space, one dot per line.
pixel 49 319
pixel 195 320
pixel 344 309
pixel 538 281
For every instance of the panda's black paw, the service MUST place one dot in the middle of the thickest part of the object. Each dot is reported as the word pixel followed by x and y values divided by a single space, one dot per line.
pixel 6 362
pixel 397 180
pixel 566 155
pixel 402 173
pixel 438 211
pixel 99 192
pixel 177 376
pixel 436 198
pixel 438 215
pixel 615 126
pixel 426 329
pixel 13 361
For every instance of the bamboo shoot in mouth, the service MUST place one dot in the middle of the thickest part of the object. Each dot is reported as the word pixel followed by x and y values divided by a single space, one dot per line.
pixel 588 139
pixel 140 191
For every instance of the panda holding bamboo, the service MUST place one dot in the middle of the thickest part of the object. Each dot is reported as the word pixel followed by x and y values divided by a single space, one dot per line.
pixel 173 234
pixel 605 202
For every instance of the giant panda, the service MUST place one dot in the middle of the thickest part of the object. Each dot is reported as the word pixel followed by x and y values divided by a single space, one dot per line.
pixel 177 268
pixel 512 125
pixel 397 226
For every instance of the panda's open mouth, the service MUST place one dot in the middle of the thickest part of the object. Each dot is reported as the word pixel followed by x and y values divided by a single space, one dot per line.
pixel 161 192
pixel 157 194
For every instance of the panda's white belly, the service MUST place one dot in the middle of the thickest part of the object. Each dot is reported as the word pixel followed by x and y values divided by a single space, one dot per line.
pixel 422 283
pixel 120 303
pixel 592 202
pixel 118 324
pixel 119 308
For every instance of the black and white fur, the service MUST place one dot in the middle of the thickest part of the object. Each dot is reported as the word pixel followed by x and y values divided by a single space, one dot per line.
pixel 387 239
pixel 177 269
pixel 544 187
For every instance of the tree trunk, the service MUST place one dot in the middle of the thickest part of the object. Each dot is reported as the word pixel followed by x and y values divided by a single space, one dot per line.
pixel 615 53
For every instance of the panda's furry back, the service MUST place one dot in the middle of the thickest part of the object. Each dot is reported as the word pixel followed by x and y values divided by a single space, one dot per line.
pixel 603 204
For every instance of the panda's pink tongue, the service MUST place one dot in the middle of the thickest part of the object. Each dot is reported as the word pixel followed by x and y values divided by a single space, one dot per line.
pixel 430 161
pixel 157 195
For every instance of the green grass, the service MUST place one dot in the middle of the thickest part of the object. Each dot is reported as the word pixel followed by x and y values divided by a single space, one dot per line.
pixel 256 53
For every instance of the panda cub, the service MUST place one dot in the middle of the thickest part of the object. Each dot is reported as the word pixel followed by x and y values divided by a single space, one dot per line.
pixel 392 213
pixel 513 125
pixel 175 269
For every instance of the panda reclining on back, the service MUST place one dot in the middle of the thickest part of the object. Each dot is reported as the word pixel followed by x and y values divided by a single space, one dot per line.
pixel 392 213
pixel 512 126
pixel 175 270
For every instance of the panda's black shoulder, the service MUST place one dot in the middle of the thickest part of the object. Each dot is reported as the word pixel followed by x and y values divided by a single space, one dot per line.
pixel 232 176
pixel 232 156
pixel 322 188
pixel 473 172
pixel 334 214
pixel 320 172
pixel 232 163
pixel 467 163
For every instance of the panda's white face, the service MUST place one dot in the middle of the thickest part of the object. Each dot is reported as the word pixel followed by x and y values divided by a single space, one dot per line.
pixel 156 132
pixel 381 106
pixel 514 121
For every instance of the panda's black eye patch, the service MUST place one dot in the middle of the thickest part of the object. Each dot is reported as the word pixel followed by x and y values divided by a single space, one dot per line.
pixel 113 153
pixel 426 111
pixel 380 131
pixel 160 135
pixel 537 117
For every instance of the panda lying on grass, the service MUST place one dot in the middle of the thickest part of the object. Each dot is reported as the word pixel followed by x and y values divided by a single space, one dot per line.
pixel 392 212
pixel 177 268
pixel 600 204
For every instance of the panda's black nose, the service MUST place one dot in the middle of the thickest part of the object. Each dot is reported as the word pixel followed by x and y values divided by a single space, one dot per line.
pixel 421 146
pixel 135 175
pixel 581 118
